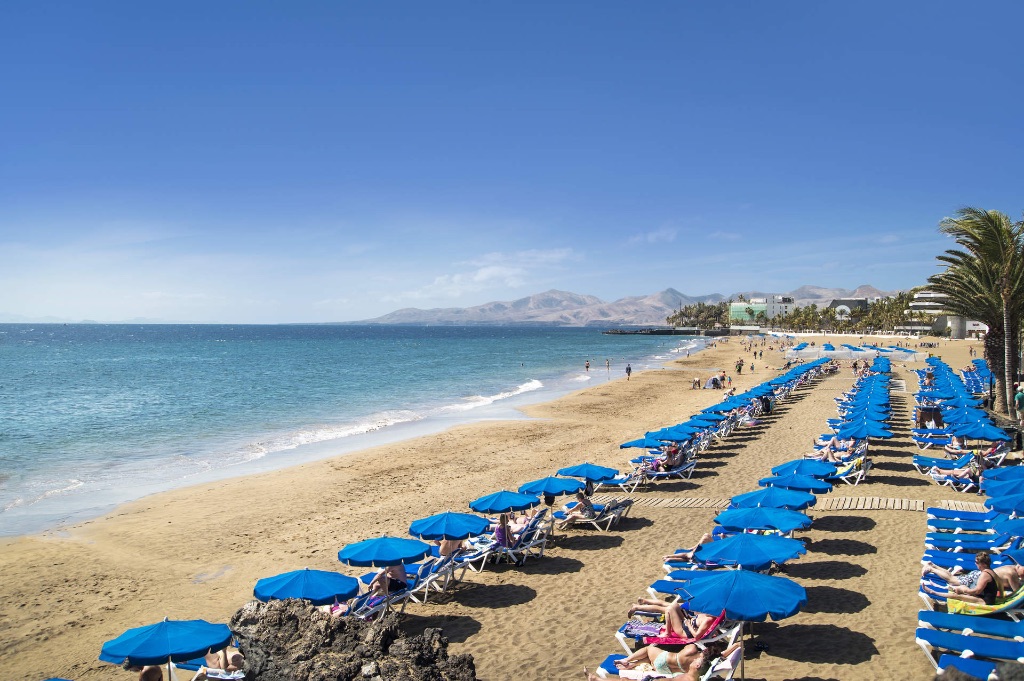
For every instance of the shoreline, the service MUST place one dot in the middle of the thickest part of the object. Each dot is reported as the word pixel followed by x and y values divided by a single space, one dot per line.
pixel 197 551
pixel 56 511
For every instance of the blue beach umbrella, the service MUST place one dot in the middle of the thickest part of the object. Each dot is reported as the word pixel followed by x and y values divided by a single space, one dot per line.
pixel 697 419
pixel 727 405
pixel 775 497
pixel 673 434
pixel 449 525
pixel 383 552
pixel 802 483
pixel 815 469
pixel 1003 488
pixel 762 518
pixel 552 486
pixel 744 596
pixel 503 502
pixel 319 587
pixel 964 415
pixel 861 430
pixel 643 443
pixel 979 430
pixel 167 641
pixel 1013 527
pixel 590 472
pixel 750 551
pixel 1011 503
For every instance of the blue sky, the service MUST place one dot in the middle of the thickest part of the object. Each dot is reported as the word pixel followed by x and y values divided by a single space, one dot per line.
pixel 328 161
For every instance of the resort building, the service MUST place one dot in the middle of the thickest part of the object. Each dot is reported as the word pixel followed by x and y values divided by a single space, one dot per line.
pixel 927 314
pixel 845 307
pixel 750 311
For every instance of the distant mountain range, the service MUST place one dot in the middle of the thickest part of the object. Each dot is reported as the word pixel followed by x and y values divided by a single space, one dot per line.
pixel 561 308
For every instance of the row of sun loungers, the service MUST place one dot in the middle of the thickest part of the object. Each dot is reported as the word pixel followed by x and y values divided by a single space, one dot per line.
pixel 972 637
pixel 644 628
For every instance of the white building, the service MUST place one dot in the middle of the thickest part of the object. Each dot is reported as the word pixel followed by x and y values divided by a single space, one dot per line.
pixel 934 305
pixel 774 307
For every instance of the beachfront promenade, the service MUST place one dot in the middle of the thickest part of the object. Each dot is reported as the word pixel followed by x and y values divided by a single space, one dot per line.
pixel 555 614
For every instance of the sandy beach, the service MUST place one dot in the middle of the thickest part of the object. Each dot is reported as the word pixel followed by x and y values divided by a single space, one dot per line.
pixel 197 552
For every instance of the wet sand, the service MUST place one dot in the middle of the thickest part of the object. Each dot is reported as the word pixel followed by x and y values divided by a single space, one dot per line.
pixel 197 552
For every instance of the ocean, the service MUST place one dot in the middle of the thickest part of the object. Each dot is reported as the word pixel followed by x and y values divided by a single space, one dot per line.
pixel 95 415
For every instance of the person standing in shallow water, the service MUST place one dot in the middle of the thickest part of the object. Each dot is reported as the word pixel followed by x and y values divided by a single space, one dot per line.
pixel 629 371
pixel 586 365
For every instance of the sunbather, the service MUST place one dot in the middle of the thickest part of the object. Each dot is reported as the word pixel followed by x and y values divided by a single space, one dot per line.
pixel 971 471
pixel 229 659
pixel 673 456
pixel 687 554
pixel 954 447
pixel 678 622
pixel 685 661
pixel 986 587
pixel 1010 576
pixel 389 580
pixel 503 535
pixel 583 510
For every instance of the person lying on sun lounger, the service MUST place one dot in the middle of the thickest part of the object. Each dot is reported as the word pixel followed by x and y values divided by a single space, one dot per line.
pixel 678 622
pixel 954 447
pixel 687 661
pixel 389 580
pixel 986 588
pixel 971 471
pixel 687 554
pixel 229 659
pixel 672 457
pixel 1010 576
pixel 583 510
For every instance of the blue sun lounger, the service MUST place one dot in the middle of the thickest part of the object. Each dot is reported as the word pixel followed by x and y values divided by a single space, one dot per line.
pixel 959 526
pixel 980 669
pixel 924 463
pixel 978 646
pixel 971 624
pixel 952 559
pixel 944 514
pixel 966 542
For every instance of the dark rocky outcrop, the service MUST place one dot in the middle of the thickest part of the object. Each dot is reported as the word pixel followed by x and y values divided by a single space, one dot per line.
pixel 293 641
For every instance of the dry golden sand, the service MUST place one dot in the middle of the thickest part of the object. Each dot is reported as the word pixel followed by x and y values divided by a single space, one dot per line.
pixel 197 552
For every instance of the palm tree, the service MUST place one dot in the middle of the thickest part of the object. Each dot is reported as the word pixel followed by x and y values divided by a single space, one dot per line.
pixel 985 281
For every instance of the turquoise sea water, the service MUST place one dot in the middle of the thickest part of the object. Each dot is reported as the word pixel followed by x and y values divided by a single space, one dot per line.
pixel 95 415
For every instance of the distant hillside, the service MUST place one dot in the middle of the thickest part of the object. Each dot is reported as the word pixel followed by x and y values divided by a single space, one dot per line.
pixel 555 308
pixel 561 308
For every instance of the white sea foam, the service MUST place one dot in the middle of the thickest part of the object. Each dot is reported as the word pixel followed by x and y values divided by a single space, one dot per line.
pixel 326 433
pixel 477 401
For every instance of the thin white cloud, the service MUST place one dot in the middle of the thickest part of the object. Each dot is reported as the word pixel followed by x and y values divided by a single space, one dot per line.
pixel 725 236
pixel 658 236
pixel 493 270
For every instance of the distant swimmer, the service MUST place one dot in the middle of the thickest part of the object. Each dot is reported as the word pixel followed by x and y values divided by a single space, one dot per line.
pixel 629 371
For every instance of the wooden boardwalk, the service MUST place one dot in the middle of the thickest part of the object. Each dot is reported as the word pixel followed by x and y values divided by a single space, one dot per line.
pixel 825 503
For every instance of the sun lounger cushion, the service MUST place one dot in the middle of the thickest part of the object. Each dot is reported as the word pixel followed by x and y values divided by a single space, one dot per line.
pixel 996 649
pixel 989 626
pixel 979 669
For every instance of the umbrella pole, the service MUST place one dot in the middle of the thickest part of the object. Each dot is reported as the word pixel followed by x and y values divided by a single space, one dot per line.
pixel 743 650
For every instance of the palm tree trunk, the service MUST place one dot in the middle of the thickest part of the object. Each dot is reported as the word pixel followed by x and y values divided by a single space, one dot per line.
pixel 995 356
pixel 1007 355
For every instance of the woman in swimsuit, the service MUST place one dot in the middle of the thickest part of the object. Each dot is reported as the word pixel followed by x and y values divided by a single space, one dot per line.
pixel 673 663
pixel 986 588
pixel 678 622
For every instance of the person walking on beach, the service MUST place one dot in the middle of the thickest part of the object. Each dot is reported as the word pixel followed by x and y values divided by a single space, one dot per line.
pixel 629 371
